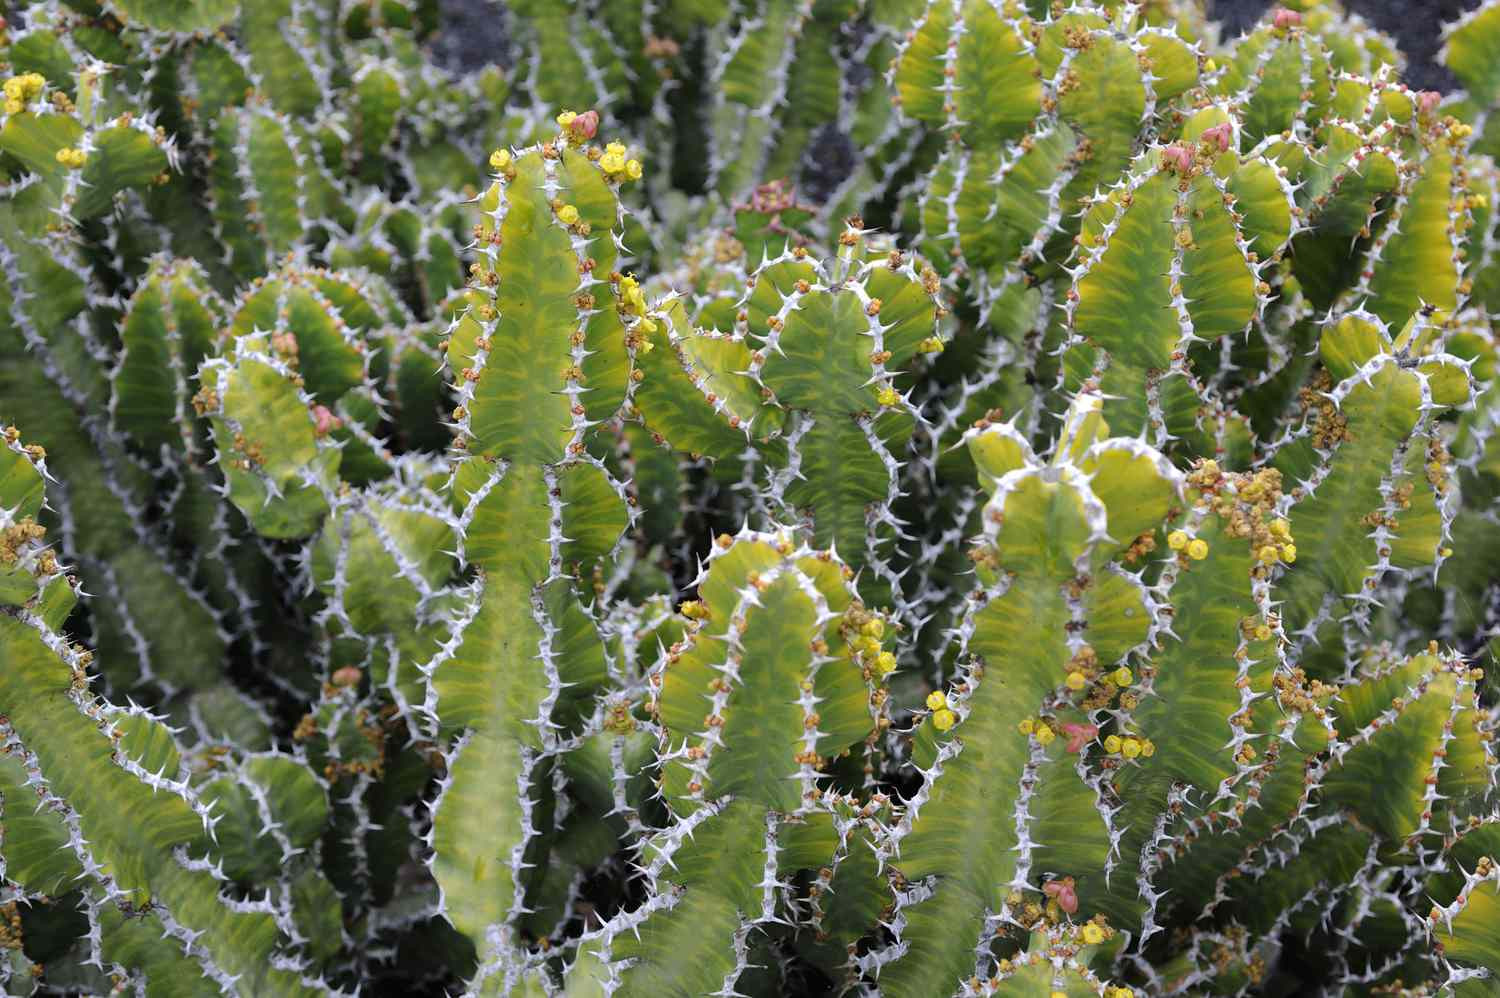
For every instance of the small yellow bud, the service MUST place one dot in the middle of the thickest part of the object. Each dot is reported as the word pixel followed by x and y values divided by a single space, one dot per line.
pixel 1112 744
pixel 1289 553
pixel 885 663
pixel 1281 529
pixel 1092 934
pixel 1444 552
pixel 1027 726
pixel 874 628
pixel 887 396
pixel 567 214
pixel 1057 994
pixel 867 645
pixel 931 344
pixel 1077 680
pixel 1267 554
pixel 616 148
pixel 1122 676
pixel 1210 66
pixel 936 700
pixel 1130 748
pixel 1263 632
pixel 1044 734
pixel 1148 748
pixel 1177 540
pixel 943 719
pixel 633 169
pixel 1197 549
pixel 566 118
pixel 500 159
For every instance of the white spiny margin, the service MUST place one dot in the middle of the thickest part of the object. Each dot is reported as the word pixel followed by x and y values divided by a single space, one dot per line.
pixel 727 125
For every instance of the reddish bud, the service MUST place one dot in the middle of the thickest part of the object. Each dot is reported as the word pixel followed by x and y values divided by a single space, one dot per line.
pixel 1428 100
pixel 1221 135
pixel 1079 735
pixel 1284 18
pixel 586 125
pixel 1062 892
pixel 347 676
pixel 326 421
pixel 1177 157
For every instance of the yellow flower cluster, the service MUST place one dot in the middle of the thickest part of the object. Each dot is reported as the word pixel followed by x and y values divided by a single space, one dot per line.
pixel 943 717
pixel 1196 548
pixel 73 159
pixel 887 396
pixel 1043 733
pixel 866 644
pixel 1130 746
pixel 20 90
pixel 615 164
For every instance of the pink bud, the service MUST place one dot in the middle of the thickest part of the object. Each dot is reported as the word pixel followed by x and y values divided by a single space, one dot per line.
pixel 1079 734
pixel 1427 100
pixel 586 125
pixel 349 675
pixel 1221 135
pixel 1062 892
pixel 326 421
pixel 1177 157
pixel 1284 18
pixel 284 343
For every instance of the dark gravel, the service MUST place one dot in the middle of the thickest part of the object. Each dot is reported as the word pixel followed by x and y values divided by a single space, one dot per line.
pixel 1415 24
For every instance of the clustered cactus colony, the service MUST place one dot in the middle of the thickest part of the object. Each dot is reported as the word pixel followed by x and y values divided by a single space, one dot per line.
pixel 485 532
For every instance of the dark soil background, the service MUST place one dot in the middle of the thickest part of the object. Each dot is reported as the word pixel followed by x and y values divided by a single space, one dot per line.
pixel 1415 24
pixel 474 31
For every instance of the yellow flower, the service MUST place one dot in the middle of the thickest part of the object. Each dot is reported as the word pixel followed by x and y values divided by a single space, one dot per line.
pixel 567 214
pixel 646 326
pixel 566 118
pixel 1210 66
pixel 1112 744
pixel 885 663
pixel 1148 748
pixel 13 105
pixel 72 158
pixel 1267 554
pixel 1197 549
pixel 1044 734
pixel 1281 529
pixel 616 148
pixel 1177 540
pixel 1077 680
pixel 874 628
pixel 1289 553
pixel 1122 676
pixel 1092 934
pixel 1263 632
pixel 633 169
pixel 887 396
pixel 1027 726
pixel 500 159
pixel 1130 748
pixel 612 162
pixel 943 719
pixel 931 344
pixel 936 700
